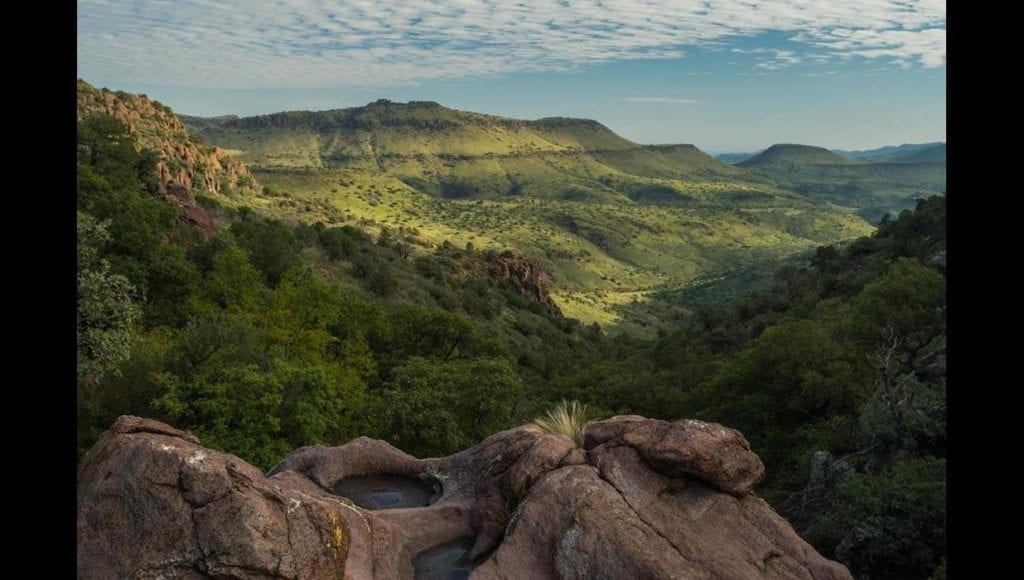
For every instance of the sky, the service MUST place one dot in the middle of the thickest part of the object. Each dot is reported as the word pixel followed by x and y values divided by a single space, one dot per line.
pixel 725 75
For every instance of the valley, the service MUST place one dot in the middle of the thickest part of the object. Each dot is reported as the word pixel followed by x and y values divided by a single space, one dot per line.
pixel 431 291
pixel 622 228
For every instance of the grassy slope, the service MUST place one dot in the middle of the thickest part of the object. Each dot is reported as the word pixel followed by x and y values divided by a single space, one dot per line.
pixel 615 223
pixel 873 187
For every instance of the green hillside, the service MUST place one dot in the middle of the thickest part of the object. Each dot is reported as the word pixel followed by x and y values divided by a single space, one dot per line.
pixel 872 187
pixel 460 154
pixel 907 151
pixel 614 223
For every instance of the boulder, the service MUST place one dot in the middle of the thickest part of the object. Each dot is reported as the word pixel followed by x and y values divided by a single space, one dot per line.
pixel 642 499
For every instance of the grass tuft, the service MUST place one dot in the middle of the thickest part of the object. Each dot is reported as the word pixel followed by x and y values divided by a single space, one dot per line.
pixel 568 418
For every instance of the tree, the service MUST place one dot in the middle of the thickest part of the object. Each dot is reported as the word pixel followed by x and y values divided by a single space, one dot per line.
pixel 108 309
pixel 236 409
pixel 338 243
pixel 906 304
pixel 431 408
pixel 234 284
pixel 270 244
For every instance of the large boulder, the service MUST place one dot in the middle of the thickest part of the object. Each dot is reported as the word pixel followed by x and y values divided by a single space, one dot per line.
pixel 641 499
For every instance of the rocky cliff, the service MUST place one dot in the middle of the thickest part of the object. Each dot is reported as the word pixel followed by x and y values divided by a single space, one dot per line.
pixel 185 166
pixel 641 499
pixel 522 277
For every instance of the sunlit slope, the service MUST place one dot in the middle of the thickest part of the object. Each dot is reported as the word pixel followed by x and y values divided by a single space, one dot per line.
pixel 614 222
pixel 606 258
pixel 461 154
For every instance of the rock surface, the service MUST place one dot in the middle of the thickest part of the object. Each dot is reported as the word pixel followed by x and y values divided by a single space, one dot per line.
pixel 643 499
pixel 522 277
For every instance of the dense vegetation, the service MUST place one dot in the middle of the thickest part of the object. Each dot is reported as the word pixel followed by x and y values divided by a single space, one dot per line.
pixel 273 334
pixel 875 186
pixel 617 224
pixel 240 341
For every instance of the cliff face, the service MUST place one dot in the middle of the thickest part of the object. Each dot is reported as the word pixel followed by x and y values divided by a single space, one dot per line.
pixel 523 278
pixel 185 166
pixel 640 499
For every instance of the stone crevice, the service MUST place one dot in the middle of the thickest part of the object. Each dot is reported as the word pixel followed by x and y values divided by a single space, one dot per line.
pixel 640 516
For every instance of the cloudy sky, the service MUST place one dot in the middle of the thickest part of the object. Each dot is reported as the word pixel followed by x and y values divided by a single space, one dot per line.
pixel 726 75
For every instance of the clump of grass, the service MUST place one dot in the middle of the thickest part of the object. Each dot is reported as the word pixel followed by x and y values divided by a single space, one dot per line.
pixel 568 418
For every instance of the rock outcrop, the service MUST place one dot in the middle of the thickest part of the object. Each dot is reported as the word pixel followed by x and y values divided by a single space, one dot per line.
pixel 642 499
pixel 522 277
pixel 184 165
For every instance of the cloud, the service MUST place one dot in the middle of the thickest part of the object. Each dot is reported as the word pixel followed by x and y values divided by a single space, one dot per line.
pixel 672 100
pixel 367 43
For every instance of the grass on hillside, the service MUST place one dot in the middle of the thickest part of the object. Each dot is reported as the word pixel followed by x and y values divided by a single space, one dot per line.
pixel 617 225
pixel 610 262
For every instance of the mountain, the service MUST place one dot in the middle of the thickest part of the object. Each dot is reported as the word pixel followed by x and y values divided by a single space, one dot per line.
pixel 895 152
pixel 335 304
pixel 454 153
pixel 933 154
pixel 734 158
pixel 612 221
pixel 873 187
pixel 790 154
pixel 194 124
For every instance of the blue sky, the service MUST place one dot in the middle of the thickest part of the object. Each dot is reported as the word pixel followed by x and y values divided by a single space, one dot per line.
pixel 726 75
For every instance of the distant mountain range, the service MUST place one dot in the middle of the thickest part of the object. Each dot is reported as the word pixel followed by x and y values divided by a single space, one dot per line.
pixel 907 153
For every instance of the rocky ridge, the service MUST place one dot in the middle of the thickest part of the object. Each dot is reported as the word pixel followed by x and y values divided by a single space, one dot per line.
pixel 185 166
pixel 641 499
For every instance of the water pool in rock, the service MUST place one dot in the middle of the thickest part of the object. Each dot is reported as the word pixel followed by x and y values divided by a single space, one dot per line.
pixel 445 562
pixel 385 491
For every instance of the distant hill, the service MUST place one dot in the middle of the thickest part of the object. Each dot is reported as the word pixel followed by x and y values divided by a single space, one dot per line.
pixel 611 220
pixel 195 124
pixel 734 158
pixel 791 154
pixel 896 153
pixel 451 153
pixel 874 187
pixel 934 154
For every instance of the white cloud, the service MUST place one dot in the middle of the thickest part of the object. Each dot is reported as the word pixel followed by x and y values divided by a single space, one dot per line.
pixel 672 100
pixel 365 43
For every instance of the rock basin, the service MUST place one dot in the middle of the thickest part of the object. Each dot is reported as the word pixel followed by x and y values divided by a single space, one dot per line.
pixel 447 561
pixel 384 491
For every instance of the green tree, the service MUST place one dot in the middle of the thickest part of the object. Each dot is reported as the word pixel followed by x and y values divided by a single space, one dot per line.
pixel 270 244
pixel 237 409
pixel 433 408
pixel 234 284
pixel 108 308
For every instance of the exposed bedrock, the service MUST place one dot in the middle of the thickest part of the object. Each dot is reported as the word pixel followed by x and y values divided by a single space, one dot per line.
pixel 643 499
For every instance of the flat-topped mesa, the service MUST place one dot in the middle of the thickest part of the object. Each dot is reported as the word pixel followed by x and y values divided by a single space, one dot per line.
pixel 642 499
